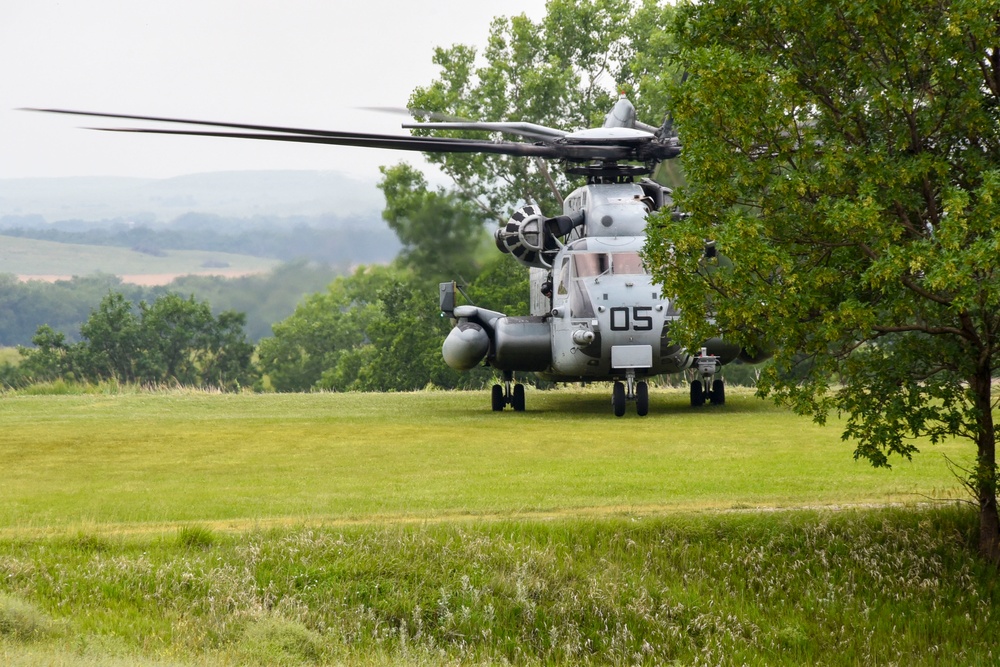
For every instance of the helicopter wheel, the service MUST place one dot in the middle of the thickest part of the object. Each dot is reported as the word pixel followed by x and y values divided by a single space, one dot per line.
pixel 718 392
pixel 642 399
pixel 498 398
pixel 618 399
pixel 697 394
pixel 517 401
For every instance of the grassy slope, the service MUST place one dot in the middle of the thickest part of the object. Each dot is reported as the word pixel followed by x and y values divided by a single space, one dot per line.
pixel 32 257
pixel 423 529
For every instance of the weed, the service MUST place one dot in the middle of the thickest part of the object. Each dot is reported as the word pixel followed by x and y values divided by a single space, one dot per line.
pixel 195 537
pixel 277 641
pixel 20 620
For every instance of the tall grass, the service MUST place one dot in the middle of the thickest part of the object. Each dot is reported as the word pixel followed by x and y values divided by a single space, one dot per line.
pixel 836 588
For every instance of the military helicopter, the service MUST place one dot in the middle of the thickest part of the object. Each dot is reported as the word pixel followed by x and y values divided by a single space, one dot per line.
pixel 595 313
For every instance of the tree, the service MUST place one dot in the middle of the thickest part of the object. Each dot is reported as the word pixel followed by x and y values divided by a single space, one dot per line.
pixel 173 340
pixel 439 231
pixel 564 71
pixel 113 341
pixel 183 342
pixel 325 327
pixel 846 156
pixel 49 359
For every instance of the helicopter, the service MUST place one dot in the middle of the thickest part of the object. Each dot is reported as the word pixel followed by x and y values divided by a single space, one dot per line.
pixel 595 313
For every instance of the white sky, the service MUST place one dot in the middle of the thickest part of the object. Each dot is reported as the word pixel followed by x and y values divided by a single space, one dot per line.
pixel 305 63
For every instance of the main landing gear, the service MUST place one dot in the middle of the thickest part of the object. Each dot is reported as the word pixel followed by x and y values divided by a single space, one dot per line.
pixel 707 365
pixel 630 391
pixel 509 394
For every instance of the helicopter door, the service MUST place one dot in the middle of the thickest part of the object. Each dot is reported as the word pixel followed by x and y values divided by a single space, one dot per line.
pixel 585 265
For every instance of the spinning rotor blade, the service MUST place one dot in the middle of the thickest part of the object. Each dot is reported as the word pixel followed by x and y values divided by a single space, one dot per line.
pixel 418 113
pixel 527 130
pixel 551 143
pixel 386 141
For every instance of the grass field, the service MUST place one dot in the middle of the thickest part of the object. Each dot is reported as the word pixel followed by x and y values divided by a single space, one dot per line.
pixel 138 459
pixel 30 257
pixel 188 528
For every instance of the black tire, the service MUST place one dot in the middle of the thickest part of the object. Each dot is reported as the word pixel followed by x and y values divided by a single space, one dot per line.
pixel 697 394
pixel 642 399
pixel 718 392
pixel 498 399
pixel 618 399
pixel 517 401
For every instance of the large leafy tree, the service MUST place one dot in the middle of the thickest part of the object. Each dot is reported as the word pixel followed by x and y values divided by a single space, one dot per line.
pixel 846 155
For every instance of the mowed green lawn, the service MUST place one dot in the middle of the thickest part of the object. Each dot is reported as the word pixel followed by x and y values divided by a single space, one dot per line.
pixel 93 461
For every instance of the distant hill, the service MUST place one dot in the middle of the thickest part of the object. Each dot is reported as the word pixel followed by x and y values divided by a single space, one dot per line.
pixel 47 260
pixel 240 194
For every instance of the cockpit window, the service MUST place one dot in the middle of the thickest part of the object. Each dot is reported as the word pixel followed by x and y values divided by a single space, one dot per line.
pixel 589 264
pixel 627 263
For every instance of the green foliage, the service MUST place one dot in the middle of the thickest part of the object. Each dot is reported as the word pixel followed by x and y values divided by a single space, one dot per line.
pixel 438 230
pixel 378 330
pixel 171 341
pixel 63 305
pixel 277 641
pixel 265 298
pixel 847 157
pixel 502 285
pixel 112 342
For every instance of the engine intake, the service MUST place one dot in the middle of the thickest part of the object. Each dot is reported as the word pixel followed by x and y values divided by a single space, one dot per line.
pixel 531 237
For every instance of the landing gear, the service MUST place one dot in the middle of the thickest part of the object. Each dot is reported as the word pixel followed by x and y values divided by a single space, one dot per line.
pixel 517 400
pixel 630 391
pixel 718 392
pixel 697 394
pixel 642 399
pixel 618 399
pixel 509 394
pixel 707 366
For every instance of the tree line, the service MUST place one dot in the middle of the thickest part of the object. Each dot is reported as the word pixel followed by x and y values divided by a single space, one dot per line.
pixel 378 329
pixel 65 305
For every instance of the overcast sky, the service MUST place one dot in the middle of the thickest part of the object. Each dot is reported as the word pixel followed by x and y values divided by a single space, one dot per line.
pixel 306 63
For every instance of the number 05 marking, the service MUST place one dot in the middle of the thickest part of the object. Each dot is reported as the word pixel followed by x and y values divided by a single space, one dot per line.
pixel 637 318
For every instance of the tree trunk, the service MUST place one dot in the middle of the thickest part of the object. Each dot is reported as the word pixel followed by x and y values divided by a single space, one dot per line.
pixel 985 479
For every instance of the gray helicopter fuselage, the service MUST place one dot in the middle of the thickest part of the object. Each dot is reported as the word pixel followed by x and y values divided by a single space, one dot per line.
pixel 605 313
pixel 596 313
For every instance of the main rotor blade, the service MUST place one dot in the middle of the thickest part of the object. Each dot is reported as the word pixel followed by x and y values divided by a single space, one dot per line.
pixel 188 121
pixel 418 113
pixel 420 144
pixel 561 151
pixel 523 129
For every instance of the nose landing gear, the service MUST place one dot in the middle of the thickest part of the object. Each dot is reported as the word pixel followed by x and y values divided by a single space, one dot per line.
pixel 705 388
pixel 635 391
pixel 509 394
